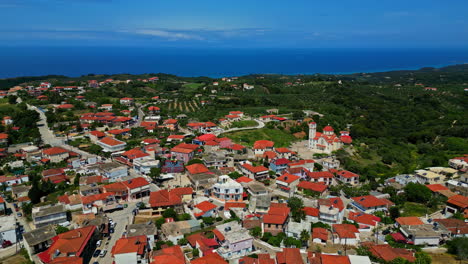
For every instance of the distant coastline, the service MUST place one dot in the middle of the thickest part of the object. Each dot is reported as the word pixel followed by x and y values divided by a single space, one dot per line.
pixel 77 61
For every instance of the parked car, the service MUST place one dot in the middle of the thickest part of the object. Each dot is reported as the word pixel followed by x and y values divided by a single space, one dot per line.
pixel 111 230
pixel 103 253
pixel 6 243
pixel 96 253
pixel 19 214
pixel 98 243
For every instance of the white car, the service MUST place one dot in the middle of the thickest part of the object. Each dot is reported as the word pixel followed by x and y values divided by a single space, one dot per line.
pixel 98 243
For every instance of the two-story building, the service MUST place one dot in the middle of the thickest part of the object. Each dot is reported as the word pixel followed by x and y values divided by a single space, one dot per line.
pixel 110 144
pixel 276 220
pixel 49 215
pixel 227 189
pixel 234 240
pixel 55 154
pixel 254 172
pixel 287 183
pixel 131 250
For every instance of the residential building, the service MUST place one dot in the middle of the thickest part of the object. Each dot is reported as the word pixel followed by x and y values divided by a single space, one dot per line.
pixel 369 204
pixel 174 231
pixel 49 215
pixel 74 246
pixel 260 198
pixel 366 222
pixel 260 146
pixel 227 189
pixel 289 256
pixel 55 154
pixel 276 219
pixel 331 210
pixel 425 234
pixel 205 209
pixel 324 177
pixel 164 199
pixel 287 183
pixel 39 239
pixel 254 172
pixel 172 255
pixel 131 250
pixel 8 229
pixel 234 240
pixel 345 234
pixel 184 152
pixel 346 177
pixel 144 166
pixel 113 171
pixel 279 165
pixel 110 144
pixel 457 204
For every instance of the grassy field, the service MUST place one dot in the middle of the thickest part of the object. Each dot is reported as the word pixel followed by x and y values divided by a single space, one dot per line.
pixel 248 137
pixel 244 123
pixel 415 209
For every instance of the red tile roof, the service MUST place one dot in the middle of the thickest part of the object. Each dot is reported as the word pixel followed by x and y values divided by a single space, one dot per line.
pixel 387 253
pixel 313 186
pixel 71 242
pixel 347 174
pixel 209 259
pixel 318 174
pixel 110 141
pixel 366 219
pixel 243 179
pixel 288 178
pixel 164 198
pixel 136 183
pixel 369 201
pixel 205 207
pixel 230 205
pixel 289 256
pixel 3 136
pixel 54 151
pixel 170 255
pixel 95 197
pixel 334 259
pixel 311 211
pixel 345 230
pixel 135 153
pixel 320 233
pixel 459 201
pixel 336 202
pixel 436 187
pixel 136 244
pixel 97 133
pixel 276 215
pixel 263 144
pixel 182 191
pixel 253 169
pixel 409 220
pixel 196 168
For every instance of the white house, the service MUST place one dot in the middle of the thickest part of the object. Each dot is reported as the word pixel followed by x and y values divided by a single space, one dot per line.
pixel 110 144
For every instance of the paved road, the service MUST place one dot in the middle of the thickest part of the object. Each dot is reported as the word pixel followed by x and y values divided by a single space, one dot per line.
pixel 260 124
pixel 12 250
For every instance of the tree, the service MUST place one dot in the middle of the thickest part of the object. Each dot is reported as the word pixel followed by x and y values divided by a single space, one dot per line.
pixel 394 212
pixel 195 252
pixel 234 175
pixel 423 258
pixel 459 247
pixel 195 161
pixel 304 237
pixel 318 166
pixel 159 222
pixel 155 173
pixel 256 231
pixel 169 213
pixel 296 205
pixel 182 241
pixel 61 229
pixel 417 193
pixel 290 241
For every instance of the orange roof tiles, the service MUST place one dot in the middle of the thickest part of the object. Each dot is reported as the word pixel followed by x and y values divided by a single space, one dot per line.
pixel 54 151
pixel 387 253
pixel 197 168
pixel 243 179
pixel 436 187
pixel 209 259
pixel 170 255
pixel 313 186
pixel 289 256
pixel 110 141
pixel 320 233
pixel 345 230
pixel 409 220
pixel 288 178
pixel 369 201
pixel 164 198
pixel 263 144
pixel 136 244
pixel 459 201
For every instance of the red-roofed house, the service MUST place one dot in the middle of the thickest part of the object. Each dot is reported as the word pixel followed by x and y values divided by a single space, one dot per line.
pixel 131 250
pixel 331 210
pixel 171 124
pixel 126 101
pixel 55 154
pixel 260 146
pixel 110 144
pixel 70 246
pixel 170 255
pixel 327 141
pixel 347 177
pixel 164 199
pixel 369 204
pixel 324 177
pixel 289 256
pixel 287 182
pixel 316 188
pixel 133 155
pixel 408 220
pixel 96 135
pixel 457 203
pixel 387 253
pixel 204 209
pixel 435 188
pixel 184 152
pixel 366 222
pixel 209 259
pixel 196 168
pixel 275 221
pixel 254 172
pixel 319 235
pixel 345 234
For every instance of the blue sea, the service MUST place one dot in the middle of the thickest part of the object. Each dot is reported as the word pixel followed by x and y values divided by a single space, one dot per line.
pixel 76 61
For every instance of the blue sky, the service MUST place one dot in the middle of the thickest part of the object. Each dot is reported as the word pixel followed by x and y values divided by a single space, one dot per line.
pixel 239 24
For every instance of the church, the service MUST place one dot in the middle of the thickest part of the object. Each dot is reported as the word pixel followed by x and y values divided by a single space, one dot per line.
pixel 327 141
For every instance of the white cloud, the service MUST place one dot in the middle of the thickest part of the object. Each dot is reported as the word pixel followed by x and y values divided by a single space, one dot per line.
pixel 168 34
